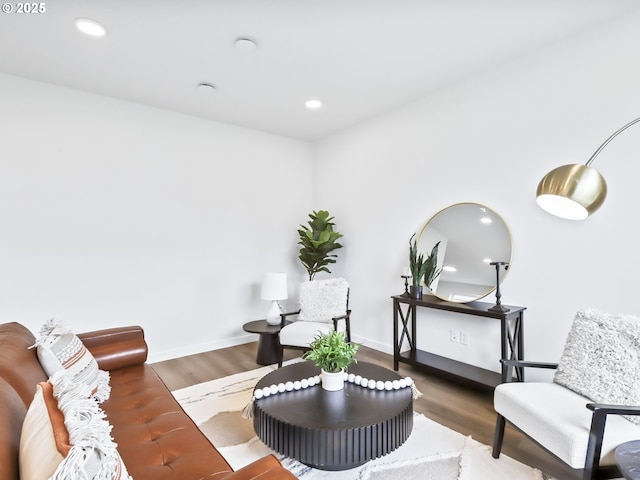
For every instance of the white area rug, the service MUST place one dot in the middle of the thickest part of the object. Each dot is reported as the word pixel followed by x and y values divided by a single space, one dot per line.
pixel 433 451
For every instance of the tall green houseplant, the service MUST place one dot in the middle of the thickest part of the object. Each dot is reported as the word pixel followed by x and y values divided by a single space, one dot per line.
pixel 317 241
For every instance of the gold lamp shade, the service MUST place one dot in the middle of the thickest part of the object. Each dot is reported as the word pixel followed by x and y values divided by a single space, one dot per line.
pixel 575 191
pixel 572 191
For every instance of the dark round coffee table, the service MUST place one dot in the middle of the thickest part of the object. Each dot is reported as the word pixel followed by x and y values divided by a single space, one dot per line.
pixel 333 430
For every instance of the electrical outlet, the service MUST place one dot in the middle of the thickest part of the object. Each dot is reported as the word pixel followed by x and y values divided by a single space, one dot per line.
pixel 454 335
pixel 464 338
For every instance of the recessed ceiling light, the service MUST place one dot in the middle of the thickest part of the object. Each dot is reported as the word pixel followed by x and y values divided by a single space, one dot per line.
pixel 449 268
pixel 206 88
pixel 313 104
pixel 90 27
pixel 245 45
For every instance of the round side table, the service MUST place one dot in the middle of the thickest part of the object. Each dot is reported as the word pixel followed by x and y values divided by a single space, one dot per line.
pixel 269 349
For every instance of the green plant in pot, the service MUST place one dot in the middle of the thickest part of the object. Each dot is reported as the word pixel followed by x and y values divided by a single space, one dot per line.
pixel 317 241
pixel 421 268
pixel 333 354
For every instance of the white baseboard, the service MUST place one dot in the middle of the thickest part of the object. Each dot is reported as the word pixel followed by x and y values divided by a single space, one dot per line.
pixel 155 357
pixel 381 347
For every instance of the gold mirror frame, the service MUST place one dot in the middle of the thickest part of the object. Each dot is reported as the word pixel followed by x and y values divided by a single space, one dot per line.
pixel 468 245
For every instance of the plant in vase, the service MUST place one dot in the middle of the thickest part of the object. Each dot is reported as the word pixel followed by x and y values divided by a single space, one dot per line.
pixel 421 268
pixel 432 271
pixel 317 241
pixel 333 354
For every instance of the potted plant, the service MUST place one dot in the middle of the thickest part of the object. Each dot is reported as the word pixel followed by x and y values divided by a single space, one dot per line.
pixel 432 271
pixel 422 269
pixel 332 353
pixel 317 241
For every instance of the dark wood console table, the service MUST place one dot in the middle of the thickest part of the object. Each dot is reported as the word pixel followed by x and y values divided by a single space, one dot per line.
pixel 405 327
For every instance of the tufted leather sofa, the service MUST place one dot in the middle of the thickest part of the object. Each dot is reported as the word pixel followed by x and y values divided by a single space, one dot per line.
pixel 155 437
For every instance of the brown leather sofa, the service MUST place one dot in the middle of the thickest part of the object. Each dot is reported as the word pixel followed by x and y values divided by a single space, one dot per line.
pixel 155 437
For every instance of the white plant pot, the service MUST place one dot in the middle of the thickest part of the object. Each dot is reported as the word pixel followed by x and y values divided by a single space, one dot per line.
pixel 332 381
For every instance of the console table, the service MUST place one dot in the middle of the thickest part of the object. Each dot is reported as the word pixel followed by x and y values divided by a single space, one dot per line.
pixel 405 327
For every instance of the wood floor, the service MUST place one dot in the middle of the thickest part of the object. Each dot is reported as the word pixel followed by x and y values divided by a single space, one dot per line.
pixel 460 407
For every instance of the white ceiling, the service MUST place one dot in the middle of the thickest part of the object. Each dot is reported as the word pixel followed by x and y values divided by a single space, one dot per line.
pixel 361 57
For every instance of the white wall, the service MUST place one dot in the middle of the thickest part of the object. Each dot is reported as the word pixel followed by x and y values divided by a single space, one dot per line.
pixel 490 139
pixel 113 213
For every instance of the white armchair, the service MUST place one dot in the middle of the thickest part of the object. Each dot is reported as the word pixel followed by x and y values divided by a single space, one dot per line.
pixel 591 406
pixel 324 306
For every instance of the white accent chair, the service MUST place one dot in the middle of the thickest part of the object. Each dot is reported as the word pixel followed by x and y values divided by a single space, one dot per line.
pixel 582 415
pixel 324 306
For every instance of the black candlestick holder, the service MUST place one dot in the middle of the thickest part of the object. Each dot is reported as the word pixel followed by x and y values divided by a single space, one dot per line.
pixel 406 283
pixel 498 307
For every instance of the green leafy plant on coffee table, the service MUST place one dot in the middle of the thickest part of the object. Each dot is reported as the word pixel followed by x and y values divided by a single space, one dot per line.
pixel 331 352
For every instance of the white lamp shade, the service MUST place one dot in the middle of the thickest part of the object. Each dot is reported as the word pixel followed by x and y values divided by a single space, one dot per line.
pixel 274 287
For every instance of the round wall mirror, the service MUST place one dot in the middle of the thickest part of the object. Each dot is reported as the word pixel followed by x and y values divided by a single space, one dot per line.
pixel 471 237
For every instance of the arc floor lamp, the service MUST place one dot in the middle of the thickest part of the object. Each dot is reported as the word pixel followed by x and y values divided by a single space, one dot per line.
pixel 575 191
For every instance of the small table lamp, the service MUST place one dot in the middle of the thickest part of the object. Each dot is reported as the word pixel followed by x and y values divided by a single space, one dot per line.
pixel 274 288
